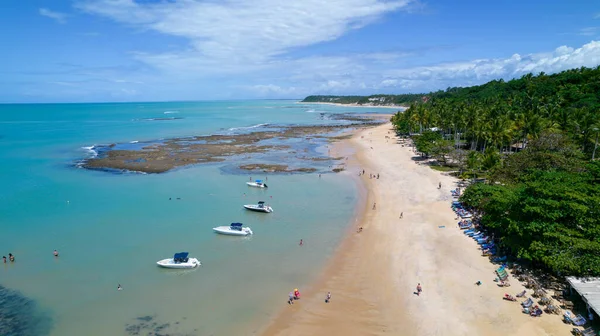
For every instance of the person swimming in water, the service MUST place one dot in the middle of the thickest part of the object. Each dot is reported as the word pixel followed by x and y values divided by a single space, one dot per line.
pixel 55 253
pixel 4 259
pixel 301 242
pixel 11 257
pixel 119 287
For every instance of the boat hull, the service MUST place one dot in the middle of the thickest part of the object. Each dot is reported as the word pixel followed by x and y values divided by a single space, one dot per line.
pixel 169 263
pixel 252 207
pixel 256 185
pixel 226 230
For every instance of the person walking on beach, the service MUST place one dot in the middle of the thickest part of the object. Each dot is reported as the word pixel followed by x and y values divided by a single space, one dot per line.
pixel 419 289
pixel 401 215
pixel 291 298
pixel 328 297
pixel 374 205
pixel 378 176
pixel 440 185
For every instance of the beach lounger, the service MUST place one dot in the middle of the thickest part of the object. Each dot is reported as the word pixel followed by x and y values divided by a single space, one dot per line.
pixel 585 332
pixel 552 309
pixel 527 304
pixel 579 320
pixel 536 312
pixel 522 293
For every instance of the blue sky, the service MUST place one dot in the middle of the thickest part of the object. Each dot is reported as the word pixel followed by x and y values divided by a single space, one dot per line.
pixel 147 50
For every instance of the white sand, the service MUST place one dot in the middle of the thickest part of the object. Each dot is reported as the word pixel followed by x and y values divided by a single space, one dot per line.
pixel 375 273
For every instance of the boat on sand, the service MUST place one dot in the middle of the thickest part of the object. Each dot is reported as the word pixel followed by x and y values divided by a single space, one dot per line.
pixel 260 207
pixel 179 260
pixel 235 229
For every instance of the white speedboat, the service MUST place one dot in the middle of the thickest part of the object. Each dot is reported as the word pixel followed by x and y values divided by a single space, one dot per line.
pixel 179 260
pixel 257 184
pixel 260 207
pixel 235 229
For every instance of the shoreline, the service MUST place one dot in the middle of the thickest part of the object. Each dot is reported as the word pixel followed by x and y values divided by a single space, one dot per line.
pixel 373 274
pixel 357 105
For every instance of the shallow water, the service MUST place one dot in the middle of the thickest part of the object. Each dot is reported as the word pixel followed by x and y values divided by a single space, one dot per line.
pixel 111 228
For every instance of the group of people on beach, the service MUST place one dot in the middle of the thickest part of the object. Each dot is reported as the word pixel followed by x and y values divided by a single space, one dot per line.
pixel 11 257
pixel 371 176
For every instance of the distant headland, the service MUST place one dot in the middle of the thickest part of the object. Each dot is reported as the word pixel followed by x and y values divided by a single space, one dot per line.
pixel 401 101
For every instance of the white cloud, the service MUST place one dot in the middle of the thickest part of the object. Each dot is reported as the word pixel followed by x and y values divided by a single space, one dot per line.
pixel 482 70
pixel 234 34
pixel 589 31
pixel 57 16
pixel 272 90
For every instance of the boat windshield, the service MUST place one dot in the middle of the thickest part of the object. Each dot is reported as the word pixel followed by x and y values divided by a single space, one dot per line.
pixel 180 257
pixel 236 226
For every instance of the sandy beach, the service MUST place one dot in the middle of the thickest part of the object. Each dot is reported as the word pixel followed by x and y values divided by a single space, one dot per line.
pixel 397 107
pixel 374 274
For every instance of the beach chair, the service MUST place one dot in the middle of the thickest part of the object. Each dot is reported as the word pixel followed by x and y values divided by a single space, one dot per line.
pixel 579 320
pixel 499 259
pixel 544 301
pixel 536 312
pixel 585 332
pixel 568 317
pixel 527 304
pixel 552 309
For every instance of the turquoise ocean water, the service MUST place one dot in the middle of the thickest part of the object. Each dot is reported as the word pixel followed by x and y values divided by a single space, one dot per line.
pixel 111 228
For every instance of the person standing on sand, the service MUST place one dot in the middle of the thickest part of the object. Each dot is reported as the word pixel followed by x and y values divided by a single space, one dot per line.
pixel 374 205
pixel 291 298
pixel 328 297
pixel 419 289
pixel 401 215
pixel 440 185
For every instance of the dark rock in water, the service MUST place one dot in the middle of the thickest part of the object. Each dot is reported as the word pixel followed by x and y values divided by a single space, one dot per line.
pixel 151 326
pixel 20 316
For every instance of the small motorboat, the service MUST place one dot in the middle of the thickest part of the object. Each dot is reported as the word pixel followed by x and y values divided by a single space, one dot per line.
pixel 260 207
pixel 257 184
pixel 179 260
pixel 235 229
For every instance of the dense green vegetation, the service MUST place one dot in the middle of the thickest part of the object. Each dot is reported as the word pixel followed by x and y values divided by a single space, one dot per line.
pixel 403 99
pixel 534 139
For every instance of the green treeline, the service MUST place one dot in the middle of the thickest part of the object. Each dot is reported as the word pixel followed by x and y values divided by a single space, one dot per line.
pixel 403 99
pixel 534 139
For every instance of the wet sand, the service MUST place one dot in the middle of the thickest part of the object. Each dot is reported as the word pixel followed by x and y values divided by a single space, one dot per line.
pixel 374 274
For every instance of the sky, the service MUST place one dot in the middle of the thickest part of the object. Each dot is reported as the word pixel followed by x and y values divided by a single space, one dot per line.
pixel 168 50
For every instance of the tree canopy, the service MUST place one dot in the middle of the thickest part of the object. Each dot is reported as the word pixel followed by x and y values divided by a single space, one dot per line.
pixel 534 138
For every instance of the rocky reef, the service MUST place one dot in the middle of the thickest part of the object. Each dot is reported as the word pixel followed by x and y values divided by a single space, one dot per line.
pixel 20 316
pixel 164 155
